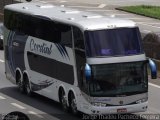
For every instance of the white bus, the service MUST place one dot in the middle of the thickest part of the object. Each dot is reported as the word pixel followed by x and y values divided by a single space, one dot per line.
pixel 87 62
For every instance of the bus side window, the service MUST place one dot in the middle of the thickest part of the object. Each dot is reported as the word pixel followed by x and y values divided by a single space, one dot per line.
pixel 66 35
pixel 78 38
pixel 50 31
pixel 80 58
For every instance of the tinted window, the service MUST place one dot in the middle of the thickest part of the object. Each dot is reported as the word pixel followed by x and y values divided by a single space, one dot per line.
pixel 51 67
pixel 113 42
pixel 78 38
pixel 66 34
pixel 119 79
pixel 40 27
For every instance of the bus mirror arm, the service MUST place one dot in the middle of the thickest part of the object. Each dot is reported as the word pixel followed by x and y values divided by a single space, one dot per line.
pixel 153 69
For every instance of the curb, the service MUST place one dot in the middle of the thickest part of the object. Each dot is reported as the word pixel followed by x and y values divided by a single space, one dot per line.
pixel 121 9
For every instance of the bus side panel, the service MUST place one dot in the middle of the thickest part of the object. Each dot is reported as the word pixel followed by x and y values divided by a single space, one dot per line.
pixel 14 53
pixel 48 66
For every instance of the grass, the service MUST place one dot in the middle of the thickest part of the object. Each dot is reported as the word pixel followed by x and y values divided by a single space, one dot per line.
pixel 146 10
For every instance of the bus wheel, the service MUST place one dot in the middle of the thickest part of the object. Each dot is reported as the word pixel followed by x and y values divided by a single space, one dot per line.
pixel 73 104
pixel 20 86
pixel 63 100
pixel 27 86
pixel 20 83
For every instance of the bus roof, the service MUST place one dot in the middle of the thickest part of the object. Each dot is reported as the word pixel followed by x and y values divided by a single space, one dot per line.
pixel 84 20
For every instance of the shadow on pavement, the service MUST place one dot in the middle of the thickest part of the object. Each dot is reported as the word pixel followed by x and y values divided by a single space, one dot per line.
pixel 39 102
pixel 53 108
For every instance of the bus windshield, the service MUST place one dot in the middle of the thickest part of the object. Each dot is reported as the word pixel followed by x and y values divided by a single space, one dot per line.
pixel 118 79
pixel 113 42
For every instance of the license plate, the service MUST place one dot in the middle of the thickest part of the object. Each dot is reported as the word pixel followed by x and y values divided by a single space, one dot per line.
pixel 122 110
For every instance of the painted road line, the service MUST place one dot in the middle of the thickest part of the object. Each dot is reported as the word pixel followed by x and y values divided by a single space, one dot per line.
pixel 81 7
pixel 154 85
pixel 101 10
pixel 43 1
pixel 101 5
pixel 135 18
pixel 51 1
pixel 148 25
pixel 63 1
pixel 36 114
pixel 116 14
pixel 1 60
pixel 147 31
pixel 18 106
pixel 2 98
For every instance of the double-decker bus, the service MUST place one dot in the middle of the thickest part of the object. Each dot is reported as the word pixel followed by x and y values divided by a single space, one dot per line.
pixel 87 62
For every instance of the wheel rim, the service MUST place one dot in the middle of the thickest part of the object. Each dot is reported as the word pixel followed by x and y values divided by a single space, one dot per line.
pixel 63 101
pixel 74 105
pixel 20 85
pixel 28 88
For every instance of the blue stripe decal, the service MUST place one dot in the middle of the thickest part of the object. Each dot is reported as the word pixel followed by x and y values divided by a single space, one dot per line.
pixel 59 50
pixel 10 54
pixel 62 50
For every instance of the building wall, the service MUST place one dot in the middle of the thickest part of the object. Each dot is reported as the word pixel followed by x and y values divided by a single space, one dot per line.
pixel 3 3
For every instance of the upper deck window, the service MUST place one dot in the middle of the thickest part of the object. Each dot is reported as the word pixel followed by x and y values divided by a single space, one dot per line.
pixel 39 27
pixel 113 42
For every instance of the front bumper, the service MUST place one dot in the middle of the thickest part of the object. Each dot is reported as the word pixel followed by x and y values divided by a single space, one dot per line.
pixel 142 107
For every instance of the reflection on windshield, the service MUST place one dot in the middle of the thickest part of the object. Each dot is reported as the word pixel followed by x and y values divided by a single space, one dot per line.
pixel 113 42
pixel 119 79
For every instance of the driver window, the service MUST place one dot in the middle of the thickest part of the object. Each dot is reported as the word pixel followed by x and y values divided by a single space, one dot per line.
pixel 84 83
pixel 78 38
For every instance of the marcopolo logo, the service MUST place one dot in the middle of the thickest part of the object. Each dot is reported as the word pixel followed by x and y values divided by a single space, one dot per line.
pixel 43 48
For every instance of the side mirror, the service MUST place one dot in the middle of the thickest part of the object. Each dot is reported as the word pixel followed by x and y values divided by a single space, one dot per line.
pixel 87 72
pixel 153 69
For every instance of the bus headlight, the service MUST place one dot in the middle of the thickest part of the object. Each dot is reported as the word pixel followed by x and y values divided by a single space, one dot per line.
pixel 96 104
pixel 141 100
pixel 99 104
pixel 103 105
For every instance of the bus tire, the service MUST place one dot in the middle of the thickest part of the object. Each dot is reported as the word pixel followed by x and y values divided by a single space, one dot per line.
pixel 63 100
pixel 19 82
pixel 27 86
pixel 73 103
